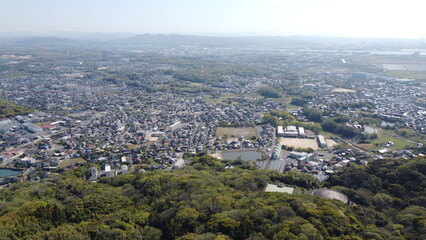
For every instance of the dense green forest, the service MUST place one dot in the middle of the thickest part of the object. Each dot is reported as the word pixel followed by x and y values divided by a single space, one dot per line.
pixel 313 114
pixel 283 118
pixel 269 92
pixel 335 125
pixel 9 109
pixel 339 128
pixel 205 201
pixel 298 101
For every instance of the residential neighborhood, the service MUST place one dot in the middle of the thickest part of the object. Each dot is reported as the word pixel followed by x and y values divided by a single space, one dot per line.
pixel 119 111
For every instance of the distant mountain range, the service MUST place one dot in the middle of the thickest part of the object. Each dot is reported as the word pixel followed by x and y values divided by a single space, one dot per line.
pixel 216 41
pixel 176 40
pixel 70 35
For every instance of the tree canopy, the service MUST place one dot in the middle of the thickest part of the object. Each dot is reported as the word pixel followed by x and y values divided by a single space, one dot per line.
pixel 269 92
pixel 9 109
pixel 313 114
pixel 338 128
pixel 205 201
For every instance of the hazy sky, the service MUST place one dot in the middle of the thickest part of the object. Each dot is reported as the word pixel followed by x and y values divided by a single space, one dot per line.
pixel 360 18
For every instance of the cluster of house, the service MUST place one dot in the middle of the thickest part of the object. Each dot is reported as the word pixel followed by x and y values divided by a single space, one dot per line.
pixel 106 171
pixel 84 110
pixel 153 129
pixel 322 165
pixel 302 157
pixel 391 100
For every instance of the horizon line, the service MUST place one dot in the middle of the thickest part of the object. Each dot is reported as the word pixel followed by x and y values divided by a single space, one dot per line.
pixel 26 33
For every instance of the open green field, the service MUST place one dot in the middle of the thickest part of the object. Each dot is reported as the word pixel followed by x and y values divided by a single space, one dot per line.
pixel 247 132
pixel 286 101
pixel 402 138
pixel 39 124
pixel 132 146
pixel 71 161
pixel 327 134
pixel 399 144
pixel 416 75
pixel 405 133
pixel 152 161
pixel 223 99
pixel 394 59
pixel 292 107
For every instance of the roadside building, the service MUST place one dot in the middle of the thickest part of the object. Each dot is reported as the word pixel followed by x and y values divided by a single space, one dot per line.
pixel 302 157
pixel 32 128
pixel 178 164
pixel 93 173
pixel 277 152
pixel 124 169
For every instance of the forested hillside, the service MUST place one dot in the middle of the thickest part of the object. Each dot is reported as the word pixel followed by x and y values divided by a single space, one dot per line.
pixel 205 201
pixel 9 109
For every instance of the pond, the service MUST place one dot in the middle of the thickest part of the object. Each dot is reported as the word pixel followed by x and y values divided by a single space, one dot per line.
pixel 8 172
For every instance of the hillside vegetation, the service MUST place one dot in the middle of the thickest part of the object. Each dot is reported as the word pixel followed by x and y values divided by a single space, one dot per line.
pixel 9 109
pixel 205 201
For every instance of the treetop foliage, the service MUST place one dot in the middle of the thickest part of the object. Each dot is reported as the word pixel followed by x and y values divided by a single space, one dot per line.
pixel 269 92
pixel 205 201
pixel 9 109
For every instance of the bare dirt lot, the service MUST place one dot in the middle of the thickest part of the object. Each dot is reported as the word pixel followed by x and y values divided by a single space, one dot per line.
pixel 305 143
pixel 331 143
pixel 343 90
pixel 247 132
pixel 300 143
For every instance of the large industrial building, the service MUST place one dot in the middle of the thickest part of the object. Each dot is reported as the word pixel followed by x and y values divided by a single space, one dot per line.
pixel 31 128
pixel 321 141
pixel 280 131
pixel 174 126
pixel 303 157
pixel 302 133
pixel 291 131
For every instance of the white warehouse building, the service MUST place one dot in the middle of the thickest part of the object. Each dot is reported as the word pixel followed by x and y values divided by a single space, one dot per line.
pixel 280 131
pixel 321 141
pixel 291 131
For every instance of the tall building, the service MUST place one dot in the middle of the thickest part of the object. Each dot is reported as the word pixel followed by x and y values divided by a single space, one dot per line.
pixel 277 152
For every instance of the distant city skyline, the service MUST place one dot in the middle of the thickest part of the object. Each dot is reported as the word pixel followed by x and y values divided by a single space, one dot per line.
pixel 361 18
